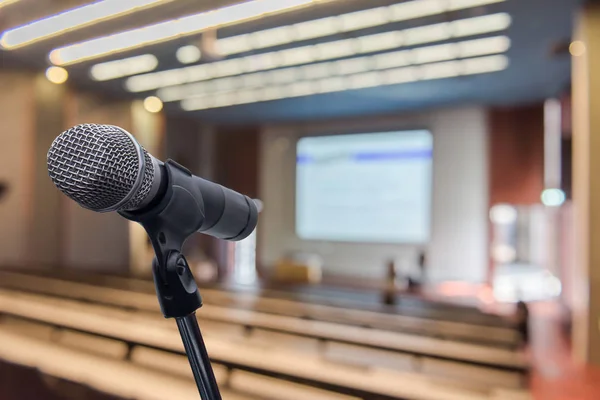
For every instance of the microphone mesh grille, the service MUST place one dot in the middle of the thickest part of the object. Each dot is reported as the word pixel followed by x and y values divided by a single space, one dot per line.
pixel 146 185
pixel 97 166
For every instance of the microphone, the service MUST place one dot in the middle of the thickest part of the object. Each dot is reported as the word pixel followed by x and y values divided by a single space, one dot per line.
pixel 103 168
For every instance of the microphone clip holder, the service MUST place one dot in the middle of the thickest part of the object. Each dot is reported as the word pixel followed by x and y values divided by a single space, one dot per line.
pixel 169 223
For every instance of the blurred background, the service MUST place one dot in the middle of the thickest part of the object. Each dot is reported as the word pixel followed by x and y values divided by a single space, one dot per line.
pixel 429 222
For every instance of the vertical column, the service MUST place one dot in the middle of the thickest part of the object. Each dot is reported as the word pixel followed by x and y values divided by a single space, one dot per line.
pixel 586 185
pixel 44 233
pixel 16 164
pixel 32 114
pixel 237 168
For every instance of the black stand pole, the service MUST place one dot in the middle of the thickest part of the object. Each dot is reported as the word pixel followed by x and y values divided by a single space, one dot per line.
pixel 168 225
pixel 179 298
pixel 196 352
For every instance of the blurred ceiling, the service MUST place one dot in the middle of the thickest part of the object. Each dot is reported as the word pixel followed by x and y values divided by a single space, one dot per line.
pixel 350 73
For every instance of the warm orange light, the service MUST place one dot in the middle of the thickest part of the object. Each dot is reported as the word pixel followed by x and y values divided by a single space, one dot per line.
pixel 57 75
pixel 153 104
pixel 577 48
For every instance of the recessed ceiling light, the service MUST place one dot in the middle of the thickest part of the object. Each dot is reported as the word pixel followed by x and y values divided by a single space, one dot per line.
pixel 57 75
pixel 153 104
pixel 553 197
pixel 577 48
pixel 188 54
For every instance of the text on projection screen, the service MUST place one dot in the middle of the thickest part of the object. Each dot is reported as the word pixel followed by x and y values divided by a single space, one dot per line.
pixel 371 187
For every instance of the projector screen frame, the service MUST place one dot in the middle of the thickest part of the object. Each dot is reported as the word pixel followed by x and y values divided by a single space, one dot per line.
pixel 301 134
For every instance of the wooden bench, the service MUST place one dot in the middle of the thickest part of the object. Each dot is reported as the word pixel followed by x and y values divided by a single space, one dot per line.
pixel 410 304
pixel 357 345
pixel 107 375
pixel 323 331
pixel 236 385
pixel 162 335
pixel 504 337
pixel 352 345
pixel 458 331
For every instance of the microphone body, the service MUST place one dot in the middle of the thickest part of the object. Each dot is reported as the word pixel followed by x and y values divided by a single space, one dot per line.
pixel 103 168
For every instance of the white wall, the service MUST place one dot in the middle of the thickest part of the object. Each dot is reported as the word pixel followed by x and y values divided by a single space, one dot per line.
pixel 458 248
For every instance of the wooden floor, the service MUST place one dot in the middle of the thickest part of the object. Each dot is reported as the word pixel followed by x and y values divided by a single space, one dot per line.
pixel 556 376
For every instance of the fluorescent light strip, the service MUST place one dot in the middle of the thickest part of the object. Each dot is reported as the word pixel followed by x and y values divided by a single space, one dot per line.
pixel 342 24
pixel 394 76
pixel 7 2
pixel 320 52
pixel 173 29
pixel 124 67
pixel 71 20
pixel 379 62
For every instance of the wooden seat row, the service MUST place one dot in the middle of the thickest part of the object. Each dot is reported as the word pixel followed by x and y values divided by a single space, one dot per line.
pixel 456 331
pixel 419 346
pixel 150 333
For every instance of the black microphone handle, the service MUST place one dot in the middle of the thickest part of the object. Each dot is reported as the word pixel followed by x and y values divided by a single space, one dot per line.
pixel 228 214
pixel 185 203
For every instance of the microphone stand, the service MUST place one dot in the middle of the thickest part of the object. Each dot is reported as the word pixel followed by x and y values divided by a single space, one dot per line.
pixel 179 298
pixel 169 224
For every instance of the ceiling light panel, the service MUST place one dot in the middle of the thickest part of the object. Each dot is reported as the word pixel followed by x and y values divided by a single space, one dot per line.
pixel 313 71
pixel 378 42
pixel 333 84
pixel 324 51
pixel 274 37
pixel 365 80
pixel 483 24
pixel 378 64
pixel 7 2
pixel 434 53
pixel 464 4
pixel 173 29
pixel 428 34
pixel 484 64
pixel 124 67
pixel 477 47
pixel 312 29
pixel 71 20
pixel 391 60
pixel 440 70
pixel 401 75
pixel 343 23
pixel 358 81
pixel 363 19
